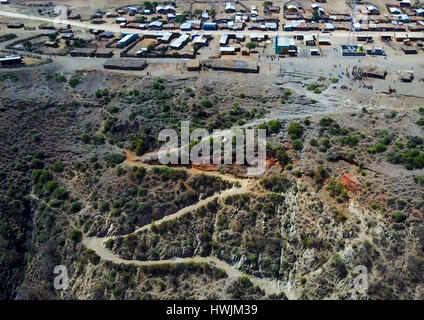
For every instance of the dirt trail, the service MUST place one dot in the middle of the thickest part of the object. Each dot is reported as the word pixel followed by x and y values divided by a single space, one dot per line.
pixel 97 244
pixel 269 286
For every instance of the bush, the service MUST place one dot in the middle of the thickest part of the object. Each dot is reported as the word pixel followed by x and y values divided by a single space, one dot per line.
pixel 137 146
pixel 75 207
pixel 115 159
pixel 51 186
pixel 76 235
pixel 349 140
pixel 40 176
pixel 297 144
pixel 60 78
pixel 274 126
pixel 158 85
pixel 326 122
pixel 313 142
pixel 73 82
pixel 339 216
pixel 104 206
pixel 242 287
pixel 206 103
pixel 336 189
pixel 98 139
pixel 58 166
pixel 137 174
pixel 399 217
pixel 379 148
pixel 295 130
pixel 61 193
pixel 326 143
pixel 276 183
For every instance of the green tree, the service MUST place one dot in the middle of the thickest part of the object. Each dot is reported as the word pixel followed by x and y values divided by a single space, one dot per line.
pixel 250 45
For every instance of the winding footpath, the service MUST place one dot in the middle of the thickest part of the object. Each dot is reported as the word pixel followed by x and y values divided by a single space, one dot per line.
pixel 97 244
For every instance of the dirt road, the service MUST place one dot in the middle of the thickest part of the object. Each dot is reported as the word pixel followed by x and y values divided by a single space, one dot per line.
pixel 97 244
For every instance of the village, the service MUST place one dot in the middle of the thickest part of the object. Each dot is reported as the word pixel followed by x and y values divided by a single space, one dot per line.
pixel 224 36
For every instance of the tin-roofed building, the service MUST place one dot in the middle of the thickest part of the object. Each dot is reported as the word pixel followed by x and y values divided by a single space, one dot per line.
pixel 285 45
pixel 223 40
pixel 180 42
pixel 155 25
pixel 127 39
pixel 210 26
pixel 10 60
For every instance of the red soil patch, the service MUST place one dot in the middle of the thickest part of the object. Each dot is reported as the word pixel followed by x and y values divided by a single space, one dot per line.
pixel 350 182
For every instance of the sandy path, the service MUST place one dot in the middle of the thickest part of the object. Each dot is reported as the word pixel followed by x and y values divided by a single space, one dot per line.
pixel 97 244
pixel 269 286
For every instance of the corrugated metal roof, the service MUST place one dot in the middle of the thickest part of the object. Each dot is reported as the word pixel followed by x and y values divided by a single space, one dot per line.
pixel 180 40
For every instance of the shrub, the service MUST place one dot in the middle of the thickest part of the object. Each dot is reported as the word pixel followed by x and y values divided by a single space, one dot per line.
pixel 339 216
pixel 321 174
pixel 326 143
pixel 399 217
pixel 60 78
pixel 313 142
pixel 137 174
pixel 274 126
pixel 158 85
pixel 336 189
pixel 349 140
pixel 40 176
pixel 61 193
pixel 76 235
pixel 104 206
pixel 73 82
pixel 58 166
pixel 276 183
pixel 98 139
pixel 326 122
pixel 287 92
pixel 115 159
pixel 90 255
pixel 295 130
pixel 206 103
pixel 297 144
pixel 137 146
pixel 50 186
pixel 75 207
pixel 374 205
pixel 242 287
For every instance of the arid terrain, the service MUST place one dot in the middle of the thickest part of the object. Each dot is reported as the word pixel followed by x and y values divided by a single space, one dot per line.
pixel 82 186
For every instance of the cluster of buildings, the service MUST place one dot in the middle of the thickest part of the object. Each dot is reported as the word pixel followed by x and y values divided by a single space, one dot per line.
pixel 401 17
